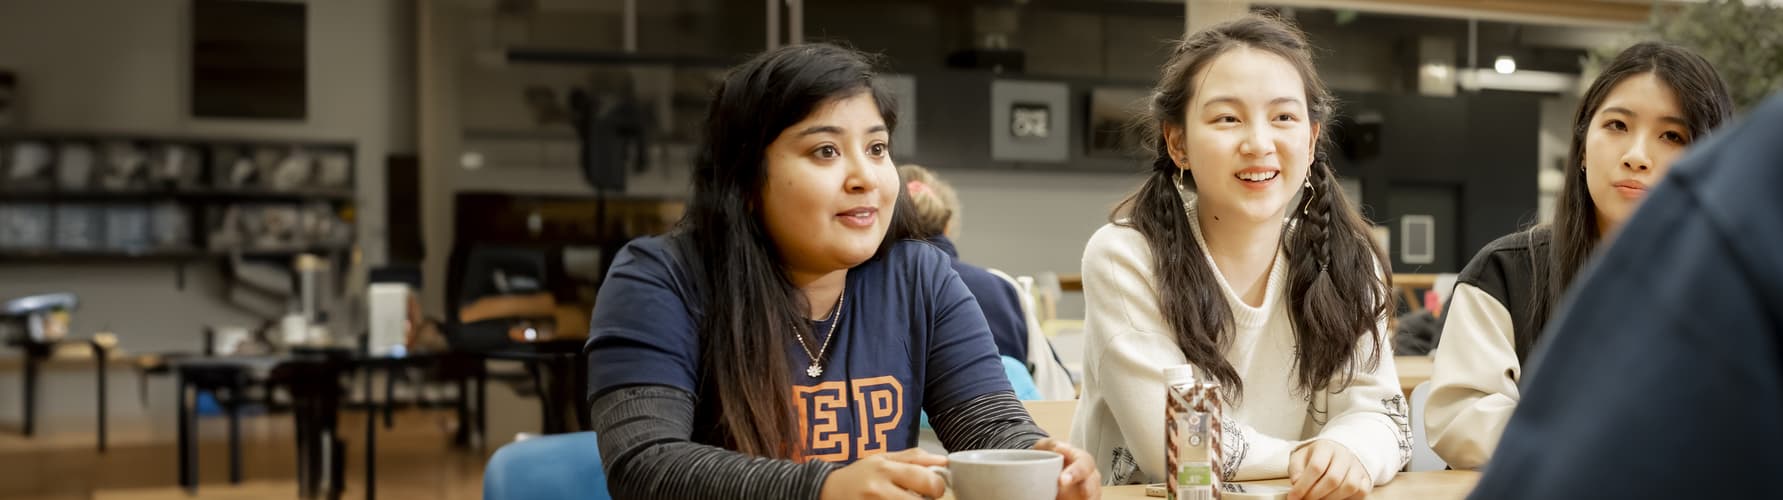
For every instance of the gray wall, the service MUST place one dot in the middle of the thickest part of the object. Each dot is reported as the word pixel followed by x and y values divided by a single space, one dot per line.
pixel 1026 223
pixel 122 65
pixel 1483 145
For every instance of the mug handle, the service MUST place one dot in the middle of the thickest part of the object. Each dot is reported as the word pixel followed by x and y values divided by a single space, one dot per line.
pixel 946 475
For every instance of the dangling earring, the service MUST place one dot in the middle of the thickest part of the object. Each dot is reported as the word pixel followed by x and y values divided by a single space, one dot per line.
pixel 1306 201
pixel 1182 192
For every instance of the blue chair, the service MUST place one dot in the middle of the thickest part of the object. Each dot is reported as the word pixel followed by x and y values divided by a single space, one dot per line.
pixel 1020 380
pixel 566 466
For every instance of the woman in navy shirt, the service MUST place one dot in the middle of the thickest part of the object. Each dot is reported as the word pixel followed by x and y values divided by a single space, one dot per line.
pixel 781 341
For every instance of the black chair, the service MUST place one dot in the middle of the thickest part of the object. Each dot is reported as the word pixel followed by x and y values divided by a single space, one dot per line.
pixel 225 382
pixel 315 380
pixel 479 271
pixel 553 372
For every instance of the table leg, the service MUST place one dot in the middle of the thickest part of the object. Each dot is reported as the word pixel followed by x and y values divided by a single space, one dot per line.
pixel 483 406
pixel 464 412
pixel 389 397
pixel 234 409
pixel 188 456
pixel 30 393
pixel 371 437
pixel 100 353
pixel 305 418
pixel 142 387
pixel 335 459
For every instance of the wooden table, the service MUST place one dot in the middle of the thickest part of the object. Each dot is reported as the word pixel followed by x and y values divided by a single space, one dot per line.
pixel 1437 485
pixel 38 353
pixel 1410 280
pixel 1413 370
pixel 1071 282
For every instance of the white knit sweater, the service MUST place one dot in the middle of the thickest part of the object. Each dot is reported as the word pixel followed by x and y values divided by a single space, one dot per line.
pixel 1128 344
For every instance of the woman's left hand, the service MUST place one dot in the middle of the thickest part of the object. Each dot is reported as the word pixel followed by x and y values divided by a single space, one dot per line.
pixel 1079 479
pixel 1326 470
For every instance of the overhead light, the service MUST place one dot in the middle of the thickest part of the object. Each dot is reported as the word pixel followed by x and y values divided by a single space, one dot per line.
pixel 1521 81
pixel 1505 65
pixel 471 160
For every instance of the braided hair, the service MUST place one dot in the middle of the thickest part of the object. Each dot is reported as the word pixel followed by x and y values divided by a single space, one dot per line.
pixel 1337 286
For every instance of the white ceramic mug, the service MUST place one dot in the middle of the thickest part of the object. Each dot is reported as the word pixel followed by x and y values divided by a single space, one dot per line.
pixel 1002 474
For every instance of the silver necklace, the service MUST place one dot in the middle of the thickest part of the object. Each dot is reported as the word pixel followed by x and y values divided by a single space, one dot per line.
pixel 816 368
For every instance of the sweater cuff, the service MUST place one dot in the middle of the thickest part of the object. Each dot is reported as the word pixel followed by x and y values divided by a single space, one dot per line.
pixel 1364 439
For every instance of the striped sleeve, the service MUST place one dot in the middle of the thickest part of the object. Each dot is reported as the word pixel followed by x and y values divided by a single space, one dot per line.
pixel 991 420
pixel 646 450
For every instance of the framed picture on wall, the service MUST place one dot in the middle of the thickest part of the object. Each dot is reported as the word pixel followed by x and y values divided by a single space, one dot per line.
pixel 1030 121
pixel 1113 127
pixel 249 60
pixel 1417 239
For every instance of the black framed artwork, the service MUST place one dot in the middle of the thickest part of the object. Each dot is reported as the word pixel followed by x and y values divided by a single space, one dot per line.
pixel 249 59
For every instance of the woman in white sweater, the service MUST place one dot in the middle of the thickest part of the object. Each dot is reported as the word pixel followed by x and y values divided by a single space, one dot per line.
pixel 1650 102
pixel 1213 263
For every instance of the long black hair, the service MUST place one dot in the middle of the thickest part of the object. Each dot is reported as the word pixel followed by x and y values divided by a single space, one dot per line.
pixel 750 307
pixel 1337 286
pixel 1706 103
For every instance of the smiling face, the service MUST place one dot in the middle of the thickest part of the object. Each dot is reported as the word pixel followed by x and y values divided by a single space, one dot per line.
pixel 1630 144
pixel 831 186
pixel 1247 137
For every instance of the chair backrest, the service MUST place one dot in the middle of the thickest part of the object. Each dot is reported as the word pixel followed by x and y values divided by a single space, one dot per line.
pixel 559 466
pixel 478 271
pixel 1020 379
pixel 1046 292
pixel 1423 458
pixel 493 270
pixel 1053 416
pixel 1051 378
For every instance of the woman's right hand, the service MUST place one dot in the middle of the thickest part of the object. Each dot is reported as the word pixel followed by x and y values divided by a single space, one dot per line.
pixel 904 474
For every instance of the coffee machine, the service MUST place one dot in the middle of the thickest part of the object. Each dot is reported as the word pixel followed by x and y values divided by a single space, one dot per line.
pixel 36 319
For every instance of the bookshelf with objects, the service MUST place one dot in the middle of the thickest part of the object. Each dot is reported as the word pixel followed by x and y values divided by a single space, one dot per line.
pixel 119 196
